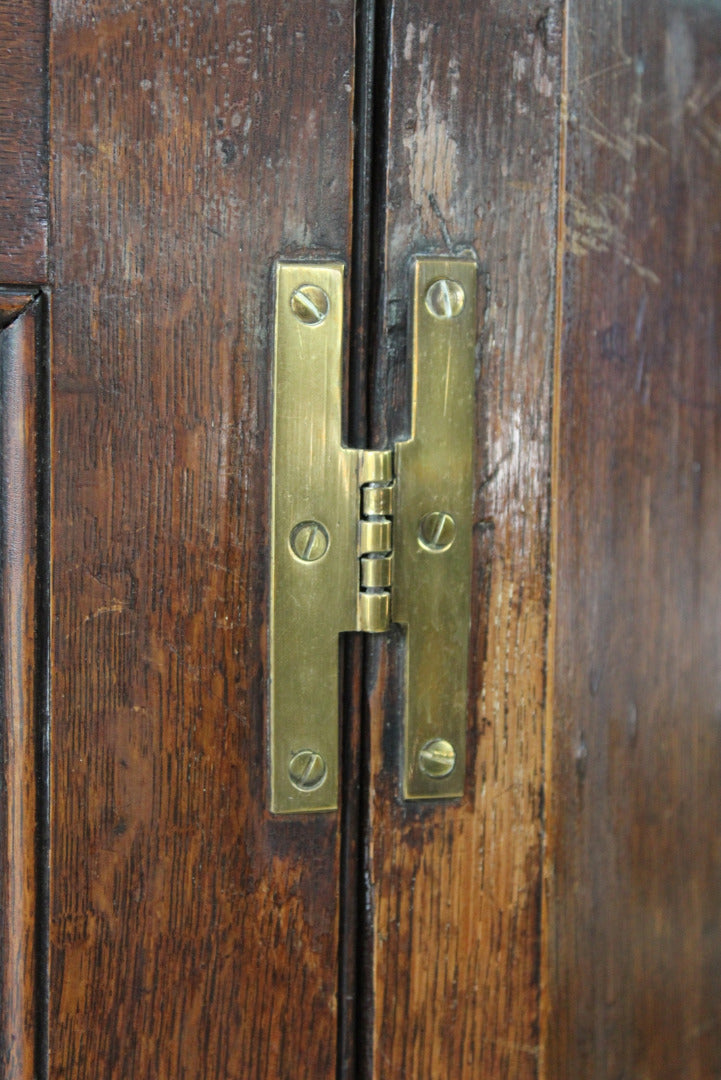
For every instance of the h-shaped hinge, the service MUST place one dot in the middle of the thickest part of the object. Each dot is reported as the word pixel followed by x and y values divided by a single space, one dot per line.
pixel 363 538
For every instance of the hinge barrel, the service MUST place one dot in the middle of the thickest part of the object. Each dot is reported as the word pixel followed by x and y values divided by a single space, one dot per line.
pixel 375 541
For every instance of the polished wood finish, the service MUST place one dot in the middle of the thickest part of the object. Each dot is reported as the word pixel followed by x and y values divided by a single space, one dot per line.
pixel 192 934
pixel 23 141
pixel 633 881
pixel 454 887
pixel 19 341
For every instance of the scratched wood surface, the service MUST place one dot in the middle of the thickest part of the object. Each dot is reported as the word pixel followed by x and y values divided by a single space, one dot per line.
pixel 23 141
pixel 192 935
pixel 633 881
pixel 18 562
pixel 454 888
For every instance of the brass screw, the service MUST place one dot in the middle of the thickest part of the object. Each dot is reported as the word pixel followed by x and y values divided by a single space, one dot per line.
pixel 437 530
pixel 310 304
pixel 307 770
pixel 309 540
pixel 445 298
pixel 437 759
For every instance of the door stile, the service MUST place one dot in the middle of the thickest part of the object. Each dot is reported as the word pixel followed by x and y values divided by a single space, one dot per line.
pixel 24 628
pixel 24 555
pixel 633 876
pixel 454 888
pixel 193 933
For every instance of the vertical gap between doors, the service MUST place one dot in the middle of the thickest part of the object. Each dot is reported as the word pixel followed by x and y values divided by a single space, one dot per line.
pixel 355 954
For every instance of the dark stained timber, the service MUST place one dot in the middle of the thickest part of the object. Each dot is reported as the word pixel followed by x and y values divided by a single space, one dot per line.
pixel 20 956
pixel 23 141
pixel 192 934
pixel 633 881
pixel 454 888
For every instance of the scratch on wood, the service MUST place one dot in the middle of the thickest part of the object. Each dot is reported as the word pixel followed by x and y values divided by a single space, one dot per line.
pixel 493 472
pixel 600 225
pixel 116 608
pixel 705 130
pixel 441 221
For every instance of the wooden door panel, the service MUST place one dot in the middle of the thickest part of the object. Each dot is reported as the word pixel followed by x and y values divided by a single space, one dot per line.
pixel 23 549
pixel 561 919
pixel 23 631
pixel 633 880
pixel 454 887
pixel 23 142
pixel 192 935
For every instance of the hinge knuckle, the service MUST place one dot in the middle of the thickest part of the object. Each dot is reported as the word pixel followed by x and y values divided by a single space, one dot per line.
pixel 375 467
pixel 376 571
pixel 377 501
pixel 375 540
pixel 374 611
pixel 374 536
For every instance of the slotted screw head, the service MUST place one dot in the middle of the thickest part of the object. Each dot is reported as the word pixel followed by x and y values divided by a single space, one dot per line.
pixel 437 530
pixel 310 304
pixel 437 759
pixel 445 298
pixel 307 770
pixel 309 540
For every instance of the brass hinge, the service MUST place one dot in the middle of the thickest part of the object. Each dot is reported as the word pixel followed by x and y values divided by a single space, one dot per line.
pixel 364 538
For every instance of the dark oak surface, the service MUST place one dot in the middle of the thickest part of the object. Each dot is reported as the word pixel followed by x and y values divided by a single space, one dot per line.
pixel 633 881
pixel 454 888
pixel 19 335
pixel 23 141
pixel 192 935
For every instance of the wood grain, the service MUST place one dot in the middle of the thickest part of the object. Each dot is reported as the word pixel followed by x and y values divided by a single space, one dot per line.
pixel 633 880
pixel 19 314
pixel 192 935
pixel 23 141
pixel 454 888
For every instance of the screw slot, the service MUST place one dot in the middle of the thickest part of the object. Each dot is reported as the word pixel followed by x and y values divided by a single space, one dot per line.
pixel 307 770
pixel 309 541
pixel 436 531
pixel 437 759
pixel 445 298
pixel 310 304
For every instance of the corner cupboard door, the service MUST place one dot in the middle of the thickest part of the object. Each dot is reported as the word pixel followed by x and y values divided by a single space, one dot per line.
pixel 561 920
pixel 633 764
pixel 454 886
pixel 560 917
pixel 191 933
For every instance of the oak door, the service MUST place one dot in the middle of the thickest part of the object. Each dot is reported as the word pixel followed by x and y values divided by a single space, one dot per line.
pixel 561 919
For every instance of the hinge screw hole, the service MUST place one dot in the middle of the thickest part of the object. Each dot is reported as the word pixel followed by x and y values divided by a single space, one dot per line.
pixel 436 531
pixel 309 541
pixel 307 770
pixel 437 759
pixel 310 304
pixel 445 298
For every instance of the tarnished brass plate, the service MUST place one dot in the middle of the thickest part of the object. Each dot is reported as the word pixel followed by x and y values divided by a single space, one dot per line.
pixel 314 567
pixel 432 525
